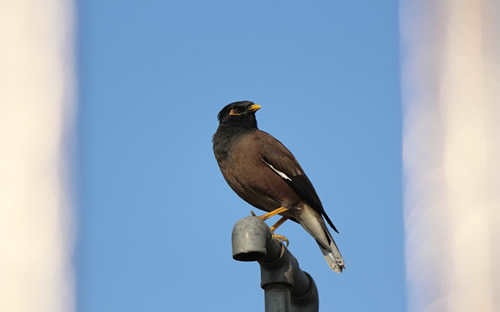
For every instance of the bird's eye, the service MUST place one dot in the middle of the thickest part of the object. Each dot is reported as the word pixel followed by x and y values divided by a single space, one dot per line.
pixel 235 111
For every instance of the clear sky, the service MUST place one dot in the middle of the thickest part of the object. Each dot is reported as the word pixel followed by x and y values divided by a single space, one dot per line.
pixel 154 213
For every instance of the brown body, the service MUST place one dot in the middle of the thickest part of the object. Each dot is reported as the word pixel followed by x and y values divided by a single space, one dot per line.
pixel 256 182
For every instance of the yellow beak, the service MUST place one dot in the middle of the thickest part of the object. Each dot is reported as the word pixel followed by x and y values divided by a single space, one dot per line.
pixel 254 107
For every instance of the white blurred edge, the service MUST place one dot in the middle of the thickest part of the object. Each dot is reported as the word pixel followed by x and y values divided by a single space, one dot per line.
pixel 36 124
pixel 451 153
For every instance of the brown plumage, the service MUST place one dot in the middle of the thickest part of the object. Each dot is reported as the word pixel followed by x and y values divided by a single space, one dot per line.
pixel 262 171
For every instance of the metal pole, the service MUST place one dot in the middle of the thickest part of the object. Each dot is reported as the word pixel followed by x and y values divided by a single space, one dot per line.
pixel 286 287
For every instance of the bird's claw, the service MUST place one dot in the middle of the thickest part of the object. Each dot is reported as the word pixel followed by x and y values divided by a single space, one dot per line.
pixel 252 213
pixel 281 239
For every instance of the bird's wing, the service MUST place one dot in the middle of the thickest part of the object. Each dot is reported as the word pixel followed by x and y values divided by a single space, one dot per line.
pixel 277 157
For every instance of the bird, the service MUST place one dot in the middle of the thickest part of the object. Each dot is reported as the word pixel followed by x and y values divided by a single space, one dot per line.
pixel 264 173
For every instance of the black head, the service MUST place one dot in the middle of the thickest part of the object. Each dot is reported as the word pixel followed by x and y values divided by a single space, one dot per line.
pixel 241 113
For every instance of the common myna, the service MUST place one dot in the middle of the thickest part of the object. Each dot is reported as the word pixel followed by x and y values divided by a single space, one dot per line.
pixel 262 171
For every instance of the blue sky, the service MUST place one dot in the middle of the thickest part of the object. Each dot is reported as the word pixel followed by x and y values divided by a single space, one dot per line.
pixel 154 213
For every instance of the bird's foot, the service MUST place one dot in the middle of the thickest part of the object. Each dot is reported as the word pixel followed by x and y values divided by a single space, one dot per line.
pixel 277 224
pixel 281 239
pixel 272 213
pixel 252 213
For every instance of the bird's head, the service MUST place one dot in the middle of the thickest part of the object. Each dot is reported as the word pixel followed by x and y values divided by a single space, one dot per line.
pixel 241 113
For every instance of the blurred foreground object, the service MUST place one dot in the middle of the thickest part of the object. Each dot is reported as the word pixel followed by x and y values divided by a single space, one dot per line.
pixel 451 151
pixel 36 93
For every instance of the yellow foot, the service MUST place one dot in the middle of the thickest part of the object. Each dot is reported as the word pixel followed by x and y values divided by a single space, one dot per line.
pixel 272 213
pixel 277 224
pixel 282 239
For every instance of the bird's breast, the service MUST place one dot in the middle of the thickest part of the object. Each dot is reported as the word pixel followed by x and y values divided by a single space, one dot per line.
pixel 250 177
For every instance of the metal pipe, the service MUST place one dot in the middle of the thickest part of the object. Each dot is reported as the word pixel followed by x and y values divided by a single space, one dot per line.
pixel 287 288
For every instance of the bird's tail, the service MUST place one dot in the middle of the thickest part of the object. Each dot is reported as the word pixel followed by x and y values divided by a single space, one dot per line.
pixel 332 255
pixel 312 221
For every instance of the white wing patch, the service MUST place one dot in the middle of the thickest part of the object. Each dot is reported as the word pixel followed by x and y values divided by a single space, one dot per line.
pixel 281 174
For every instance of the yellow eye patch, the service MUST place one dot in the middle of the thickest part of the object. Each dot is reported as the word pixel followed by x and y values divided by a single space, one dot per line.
pixel 252 108
pixel 233 112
